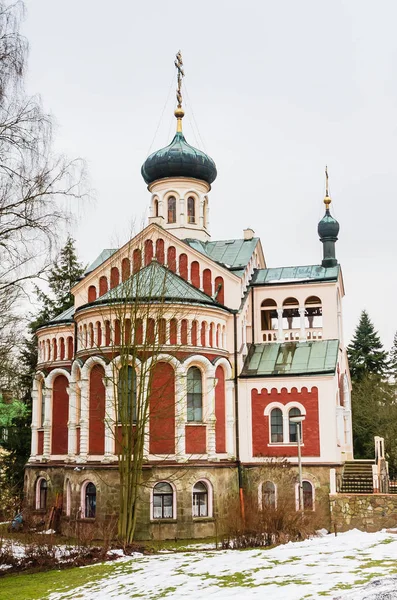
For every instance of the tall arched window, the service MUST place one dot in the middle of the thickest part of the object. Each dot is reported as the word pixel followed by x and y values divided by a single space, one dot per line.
pixel 171 212
pixel 200 500
pixel 156 208
pixel 126 395
pixel 163 501
pixel 308 503
pixel 90 501
pixel 293 427
pixel 191 210
pixel 41 494
pixel 268 495
pixel 194 395
pixel 276 425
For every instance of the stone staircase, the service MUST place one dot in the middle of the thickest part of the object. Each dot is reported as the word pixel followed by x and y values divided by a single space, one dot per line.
pixel 357 477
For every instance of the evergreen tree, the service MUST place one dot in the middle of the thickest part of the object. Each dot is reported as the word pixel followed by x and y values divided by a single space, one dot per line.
pixel 365 352
pixel 64 273
pixel 393 359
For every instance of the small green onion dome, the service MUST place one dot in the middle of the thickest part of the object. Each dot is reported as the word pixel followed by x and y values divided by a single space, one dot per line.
pixel 328 227
pixel 179 159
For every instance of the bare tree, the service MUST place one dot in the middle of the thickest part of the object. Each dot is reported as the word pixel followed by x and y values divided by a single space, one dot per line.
pixel 140 320
pixel 34 182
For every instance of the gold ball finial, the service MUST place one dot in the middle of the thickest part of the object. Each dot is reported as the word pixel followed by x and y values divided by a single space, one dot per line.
pixel 179 112
pixel 327 202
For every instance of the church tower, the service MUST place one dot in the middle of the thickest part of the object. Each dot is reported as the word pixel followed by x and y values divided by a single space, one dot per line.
pixel 179 178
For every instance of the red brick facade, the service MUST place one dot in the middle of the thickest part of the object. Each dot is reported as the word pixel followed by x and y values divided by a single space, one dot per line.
pixel 261 445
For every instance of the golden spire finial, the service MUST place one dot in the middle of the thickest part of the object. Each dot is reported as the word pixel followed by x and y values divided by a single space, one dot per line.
pixel 179 112
pixel 327 199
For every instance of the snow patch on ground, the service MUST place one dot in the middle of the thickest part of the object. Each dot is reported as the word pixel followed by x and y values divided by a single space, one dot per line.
pixel 352 566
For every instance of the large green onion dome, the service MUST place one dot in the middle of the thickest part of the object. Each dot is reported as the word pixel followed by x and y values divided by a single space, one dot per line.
pixel 179 159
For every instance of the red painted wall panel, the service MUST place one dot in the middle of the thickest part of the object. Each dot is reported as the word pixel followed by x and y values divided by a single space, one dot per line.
pixel 96 440
pixel 162 410
pixel 260 422
pixel 196 439
pixel 195 274
pixel 220 411
pixel 40 442
pixel 207 282
pixel 60 415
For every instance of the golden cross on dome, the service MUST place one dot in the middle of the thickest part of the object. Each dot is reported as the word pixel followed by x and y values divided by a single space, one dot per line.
pixel 179 112
pixel 327 199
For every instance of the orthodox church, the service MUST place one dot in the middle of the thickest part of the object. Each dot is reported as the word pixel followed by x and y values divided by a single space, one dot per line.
pixel 249 366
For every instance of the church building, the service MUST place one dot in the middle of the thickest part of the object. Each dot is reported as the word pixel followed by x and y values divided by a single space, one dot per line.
pixel 233 348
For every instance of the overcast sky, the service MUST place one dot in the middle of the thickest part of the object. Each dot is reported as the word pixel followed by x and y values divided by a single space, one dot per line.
pixel 277 90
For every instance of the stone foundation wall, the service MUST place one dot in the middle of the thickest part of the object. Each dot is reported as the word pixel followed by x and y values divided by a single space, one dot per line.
pixel 223 480
pixel 368 512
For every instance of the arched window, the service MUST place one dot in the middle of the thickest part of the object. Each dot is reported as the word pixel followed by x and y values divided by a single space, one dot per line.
pixel 125 269
pixel 90 501
pixel 276 425
pixel 91 293
pixel 171 210
pixel 268 495
pixel 200 500
pixel 194 395
pixel 293 427
pixel 156 207
pixel 291 317
pixel 308 503
pixel 41 494
pixel 114 277
pixel 313 316
pixel 126 395
pixel 269 318
pixel 163 501
pixel 103 285
pixel 191 210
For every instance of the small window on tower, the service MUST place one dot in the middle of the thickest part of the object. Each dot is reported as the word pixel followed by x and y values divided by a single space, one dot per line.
pixel 156 208
pixel 191 210
pixel 171 209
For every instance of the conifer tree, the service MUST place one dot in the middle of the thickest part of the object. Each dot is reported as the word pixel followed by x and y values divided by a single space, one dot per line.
pixel 393 359
pixel 64 273
pixel 365 352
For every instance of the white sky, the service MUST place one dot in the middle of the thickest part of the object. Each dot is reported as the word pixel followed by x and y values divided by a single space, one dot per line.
pixel 278 90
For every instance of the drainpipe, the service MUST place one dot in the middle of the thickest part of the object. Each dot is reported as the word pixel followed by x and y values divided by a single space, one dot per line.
pixel 239 467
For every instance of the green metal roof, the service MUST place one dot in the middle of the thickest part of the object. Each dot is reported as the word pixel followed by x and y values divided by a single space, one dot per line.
pixel 104 255
pixel 291 358
pixel 155 282
pixel 233 254
pixel 295 275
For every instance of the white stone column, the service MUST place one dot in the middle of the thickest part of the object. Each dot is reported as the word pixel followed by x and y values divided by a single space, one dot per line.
pixel 286 428
pixel 167 331
pixel 144 330
pixel 84 420
pixel 110 419
pixel 161 208
pixel 178 332
pixel 35 425
pixel 302 333
pixel 189 332
pixel 58 343
pixel 180 416
pixel 280 324
pixel 47 392
pixel 230 421
pixel 211 418
pixel 201 215
pixel 72 435
pixel 182 211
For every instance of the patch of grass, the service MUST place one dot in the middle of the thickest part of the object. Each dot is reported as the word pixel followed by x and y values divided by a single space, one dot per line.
pixel 385 541
pixel 38 586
